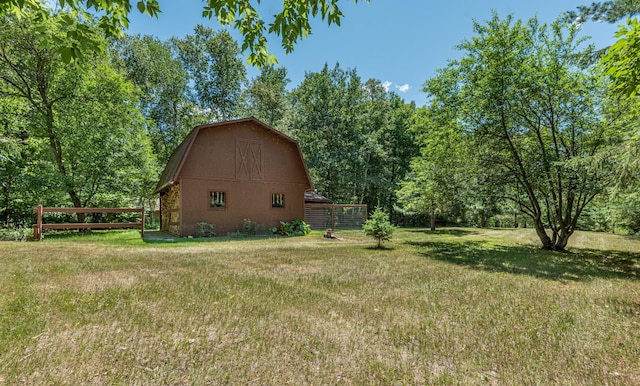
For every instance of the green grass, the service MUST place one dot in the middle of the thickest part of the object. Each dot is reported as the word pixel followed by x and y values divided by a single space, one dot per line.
pixel 458 306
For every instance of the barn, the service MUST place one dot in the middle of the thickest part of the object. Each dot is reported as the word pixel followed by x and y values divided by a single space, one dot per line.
pixel 226 172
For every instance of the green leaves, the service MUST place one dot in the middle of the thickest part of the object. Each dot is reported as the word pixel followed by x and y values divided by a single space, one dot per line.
pixel 213 61
pixel 525 92
pixel 620 61
pixel 291 24
pixel 610 11
pixel 378 226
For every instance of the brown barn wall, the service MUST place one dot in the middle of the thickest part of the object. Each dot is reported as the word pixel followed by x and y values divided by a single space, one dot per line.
pixel 244 199
pixel 170 210
pixel 249 164
pixel 221 153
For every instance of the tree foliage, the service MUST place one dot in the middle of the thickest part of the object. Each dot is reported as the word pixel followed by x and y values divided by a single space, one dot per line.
pixel 354 136
pixel 79 128
pixel 523 92
pixel 152 66
pixel 609 11
pixel 620 60
pixel 266 96
pixel 438 176
pixel 292 23
pixel 213 62
pixel 378 226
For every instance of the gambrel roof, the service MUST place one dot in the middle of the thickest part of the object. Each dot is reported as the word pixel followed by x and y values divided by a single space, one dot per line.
pixel 171 172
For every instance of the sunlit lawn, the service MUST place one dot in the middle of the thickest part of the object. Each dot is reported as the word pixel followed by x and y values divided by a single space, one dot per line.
pixel 463 306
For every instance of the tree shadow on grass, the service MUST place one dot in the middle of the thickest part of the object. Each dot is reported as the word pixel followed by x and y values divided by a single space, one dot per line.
pixel 445 231
pixel 382 248
pixel 578 265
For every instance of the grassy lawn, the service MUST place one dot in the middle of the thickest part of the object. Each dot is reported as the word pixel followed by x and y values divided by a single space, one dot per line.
pixel 458 306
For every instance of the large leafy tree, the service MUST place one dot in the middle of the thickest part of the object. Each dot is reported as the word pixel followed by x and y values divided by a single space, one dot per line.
pixel 522 89
pixel 151 65
pixel 387 145
pixel 292 23
pixel 620 64
pixel 440 173
pixel 355 136
pixel 82 121
pixel 213 62
pixel 266 96
pixel 325 118
pixel 104 145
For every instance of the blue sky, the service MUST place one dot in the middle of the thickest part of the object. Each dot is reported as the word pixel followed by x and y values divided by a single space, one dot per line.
pixel 399 42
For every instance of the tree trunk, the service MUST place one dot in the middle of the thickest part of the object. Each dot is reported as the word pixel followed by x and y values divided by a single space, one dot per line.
pixel 547 243
pixel 433 217
pixel 562 240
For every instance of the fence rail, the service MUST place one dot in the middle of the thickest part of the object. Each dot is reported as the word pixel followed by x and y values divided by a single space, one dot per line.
pixel 39 225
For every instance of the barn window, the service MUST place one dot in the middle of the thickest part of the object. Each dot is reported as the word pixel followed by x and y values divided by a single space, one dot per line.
pixel 217 200
pixel 277 200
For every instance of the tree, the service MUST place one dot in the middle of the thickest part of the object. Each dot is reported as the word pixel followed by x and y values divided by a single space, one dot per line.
pixel 620 60
pixel 609 11
pixel 81 120
pixel 400 146
pixel 378 226
pixel 524 93
pixel 325 117
pixel 619 63
pixel 213 62
pixel 164 100
pixel 355 136
pixel 291 24
pixel 105 148
pixel 20 185
pixel 266 96
pixel 441 170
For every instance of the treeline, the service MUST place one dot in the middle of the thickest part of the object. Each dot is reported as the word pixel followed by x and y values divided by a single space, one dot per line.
pixel 524 129
pixel 97 131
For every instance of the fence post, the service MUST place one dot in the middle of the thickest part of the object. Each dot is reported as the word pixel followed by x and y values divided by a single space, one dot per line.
pixel 333 222
pixel 142 220
pixel 37 228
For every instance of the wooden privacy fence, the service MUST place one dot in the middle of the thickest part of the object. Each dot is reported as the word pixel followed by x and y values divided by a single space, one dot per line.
pixel 39 225
pixel 335 216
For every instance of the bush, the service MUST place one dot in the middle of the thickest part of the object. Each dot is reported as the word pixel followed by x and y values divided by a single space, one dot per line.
pixel 296 227
pixel 378 226
pixel 15 234
pixel 205 229
pixel 252 228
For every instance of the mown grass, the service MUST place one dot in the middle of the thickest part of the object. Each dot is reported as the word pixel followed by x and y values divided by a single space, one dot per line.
pixel 458 306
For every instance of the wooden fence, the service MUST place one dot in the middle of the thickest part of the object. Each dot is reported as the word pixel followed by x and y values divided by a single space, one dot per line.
pixel 335 216
pixel 39 225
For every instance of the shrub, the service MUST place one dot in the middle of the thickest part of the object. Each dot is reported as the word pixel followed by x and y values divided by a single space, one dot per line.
pixel 378 226
pixel 15 234
pixel 205 229
pixel 251 228
pixel 296 227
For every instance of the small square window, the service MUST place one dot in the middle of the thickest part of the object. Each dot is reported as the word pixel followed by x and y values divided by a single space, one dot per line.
pixel 217 200
pixel 277 200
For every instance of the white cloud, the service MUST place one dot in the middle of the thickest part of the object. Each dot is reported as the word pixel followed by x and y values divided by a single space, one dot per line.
pixel 386 84
pixel 404 88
